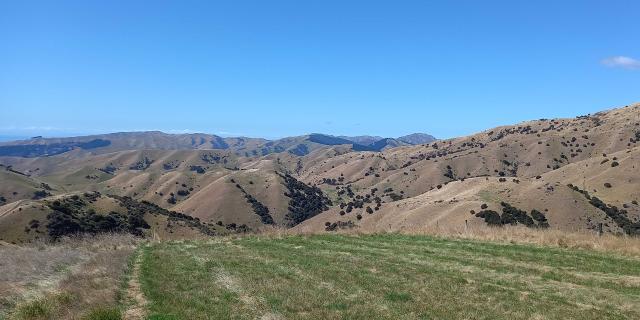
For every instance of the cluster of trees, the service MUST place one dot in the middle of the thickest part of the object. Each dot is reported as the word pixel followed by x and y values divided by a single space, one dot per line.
pixel 144 207
pixel 328 226
pixel 257 206
pixel 109 169
pixel 332 181
pixel 449 173
pixel 358 201
pixel 346 190
pixel 243 228
pixel 183 192
pixel 619 216
pixel 197 169
pixel 39 194
pixel 170 165
pixel 143 164
pixel 395 197
pixel 512 216
pixel 72 215
pixel 306 201
pixel 213 159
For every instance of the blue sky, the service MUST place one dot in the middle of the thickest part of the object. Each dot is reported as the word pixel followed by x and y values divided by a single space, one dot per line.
pixel 279 68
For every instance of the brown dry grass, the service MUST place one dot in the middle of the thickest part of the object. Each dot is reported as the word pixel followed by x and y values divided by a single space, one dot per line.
pixel 64 280
pixel 625 245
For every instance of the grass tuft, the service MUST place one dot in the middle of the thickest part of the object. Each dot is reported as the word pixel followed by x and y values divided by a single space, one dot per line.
pixel 397 297
pixel 104 313
pixel 36 309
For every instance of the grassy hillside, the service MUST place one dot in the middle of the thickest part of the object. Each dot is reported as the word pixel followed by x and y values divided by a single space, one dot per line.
pixel 384 277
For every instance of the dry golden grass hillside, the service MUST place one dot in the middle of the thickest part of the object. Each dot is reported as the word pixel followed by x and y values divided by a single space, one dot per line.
pixel 544 173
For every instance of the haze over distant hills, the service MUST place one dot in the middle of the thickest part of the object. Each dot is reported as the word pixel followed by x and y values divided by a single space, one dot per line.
pixel 567 174
pixel 103 143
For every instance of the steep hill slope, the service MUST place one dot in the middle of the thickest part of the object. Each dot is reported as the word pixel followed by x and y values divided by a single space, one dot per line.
pixel 533 162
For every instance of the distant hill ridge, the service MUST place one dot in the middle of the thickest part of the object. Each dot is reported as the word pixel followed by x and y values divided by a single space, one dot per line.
pixel 156 140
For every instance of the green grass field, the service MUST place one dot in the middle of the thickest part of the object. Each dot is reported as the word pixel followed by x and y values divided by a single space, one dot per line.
pixel 384 277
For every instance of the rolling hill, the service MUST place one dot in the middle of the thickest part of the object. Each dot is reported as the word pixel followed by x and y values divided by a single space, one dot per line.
pixel 567 174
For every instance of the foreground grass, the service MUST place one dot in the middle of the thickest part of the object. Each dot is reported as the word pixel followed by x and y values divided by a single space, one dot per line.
pixel 385 277
pixel 76 278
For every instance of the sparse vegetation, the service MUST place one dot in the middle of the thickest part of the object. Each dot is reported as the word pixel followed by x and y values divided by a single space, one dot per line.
pixel 75 278
pixel 512 216
pixel 258 208
pixel 306 201
pixel 619 216
pixel 71 216
pixel 143 164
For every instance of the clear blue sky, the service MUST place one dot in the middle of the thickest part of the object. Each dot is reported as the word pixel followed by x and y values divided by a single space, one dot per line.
pixel 278 68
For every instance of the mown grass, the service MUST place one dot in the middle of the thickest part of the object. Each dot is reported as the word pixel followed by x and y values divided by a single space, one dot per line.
pixel 385 277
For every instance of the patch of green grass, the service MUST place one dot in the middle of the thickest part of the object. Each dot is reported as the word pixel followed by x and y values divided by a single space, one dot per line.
pixel 36 309
pixel 385 277
pixel 104 314
pixel 488 196
pixel 397 297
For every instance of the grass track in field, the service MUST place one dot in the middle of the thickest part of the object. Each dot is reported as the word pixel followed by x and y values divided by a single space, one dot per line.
pixel 385 277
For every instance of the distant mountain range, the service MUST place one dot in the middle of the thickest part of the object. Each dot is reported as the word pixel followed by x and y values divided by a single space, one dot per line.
pixel 156 140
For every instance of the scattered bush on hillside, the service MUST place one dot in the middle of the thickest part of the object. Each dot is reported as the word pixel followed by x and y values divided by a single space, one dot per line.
pixel 512 216
pixel 170 165
pixel 136 208
pixel 329 181
pixel 109 169
pixel 40 194
pixel 395 197
pixel 491 217
pixel 449 173
pixel 339 225
pixel 306 201
pixel 211 158
pixel 72 215
pixel 243 228
pixel 143 164
pixel 198 169
pixel 619 216
pixel 258 208
pixel 540 218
